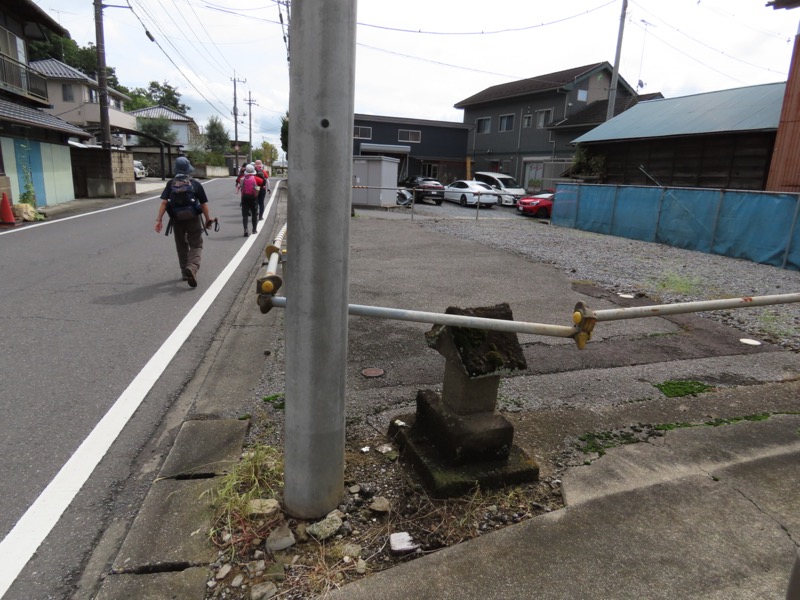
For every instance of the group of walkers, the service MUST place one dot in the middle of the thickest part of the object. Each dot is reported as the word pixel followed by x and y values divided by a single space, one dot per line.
pixel 185 202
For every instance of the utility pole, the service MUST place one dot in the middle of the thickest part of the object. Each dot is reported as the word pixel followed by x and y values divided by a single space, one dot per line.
pixel 235 122
pixel 250 103
pixel 102 77
pixel 321 95
pixel 612 93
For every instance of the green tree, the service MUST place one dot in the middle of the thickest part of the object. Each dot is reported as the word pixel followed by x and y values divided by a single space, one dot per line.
pixel 285 133
pixel 217 136
pixel 165 95
pixel 158 127
pixel 269 153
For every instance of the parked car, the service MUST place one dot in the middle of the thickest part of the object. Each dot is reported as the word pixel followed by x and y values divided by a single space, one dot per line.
pixel 540 205
pixel 470 193
pixel 139 170
pixel 424 187
pixel 511 190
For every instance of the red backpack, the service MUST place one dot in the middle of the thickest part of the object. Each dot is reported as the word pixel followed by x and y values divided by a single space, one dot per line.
pixel 249 186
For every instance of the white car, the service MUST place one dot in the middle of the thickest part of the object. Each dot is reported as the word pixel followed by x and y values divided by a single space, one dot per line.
pixel 511 190
pixel 470 193
pixel 139 170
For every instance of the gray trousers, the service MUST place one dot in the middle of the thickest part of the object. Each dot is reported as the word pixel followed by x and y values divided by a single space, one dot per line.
pixel 188 243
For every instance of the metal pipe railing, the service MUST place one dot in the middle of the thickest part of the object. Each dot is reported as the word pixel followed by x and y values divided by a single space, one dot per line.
pixel 659 310
pixel 583 317
pixel 399 314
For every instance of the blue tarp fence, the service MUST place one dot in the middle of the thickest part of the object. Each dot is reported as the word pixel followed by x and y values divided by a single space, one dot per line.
pixel 758 226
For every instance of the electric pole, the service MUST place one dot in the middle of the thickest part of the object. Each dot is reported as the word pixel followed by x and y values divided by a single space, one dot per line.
pixel 102 77
pixel 612 93
pixel 250 103
pixel 235 122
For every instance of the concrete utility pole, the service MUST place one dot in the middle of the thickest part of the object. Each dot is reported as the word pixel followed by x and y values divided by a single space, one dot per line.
pixel 250 103
pixel 612 93
pixel 321 84
pixel 236 123
pixel 102 76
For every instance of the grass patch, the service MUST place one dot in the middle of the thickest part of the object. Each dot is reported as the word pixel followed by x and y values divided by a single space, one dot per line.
pixel 677 388
pixel 775 324
pixel 599 442
pixel 259 474
pixel 680 284
pixel 277 401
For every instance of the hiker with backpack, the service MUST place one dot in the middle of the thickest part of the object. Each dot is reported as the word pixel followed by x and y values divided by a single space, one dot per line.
pixel 250 185
pixel 186 203
pixel 262 194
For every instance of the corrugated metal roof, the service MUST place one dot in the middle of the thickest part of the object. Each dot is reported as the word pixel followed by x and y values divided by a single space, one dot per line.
pixel 754 108
pixel 158 112
pixel 34 117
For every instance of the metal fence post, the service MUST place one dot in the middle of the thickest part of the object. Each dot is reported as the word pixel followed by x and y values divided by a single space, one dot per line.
pixel 791 231
pixel 322 82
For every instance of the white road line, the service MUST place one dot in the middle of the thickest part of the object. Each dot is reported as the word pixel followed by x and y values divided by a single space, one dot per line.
pixel 30 531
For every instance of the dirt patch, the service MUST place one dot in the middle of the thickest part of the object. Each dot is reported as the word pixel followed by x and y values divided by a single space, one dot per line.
pixel 361 545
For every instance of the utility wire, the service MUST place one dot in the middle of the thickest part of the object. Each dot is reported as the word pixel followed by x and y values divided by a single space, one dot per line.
pixel 160 47
pixel 509 30
pixel 725 54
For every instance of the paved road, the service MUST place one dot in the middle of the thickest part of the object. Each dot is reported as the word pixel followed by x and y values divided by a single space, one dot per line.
pixel 87 301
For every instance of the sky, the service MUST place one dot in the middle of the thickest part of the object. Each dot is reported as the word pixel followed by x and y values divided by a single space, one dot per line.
pixel 417 58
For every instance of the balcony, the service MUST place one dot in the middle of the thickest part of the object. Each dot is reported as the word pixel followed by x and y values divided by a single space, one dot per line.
pixel 20 79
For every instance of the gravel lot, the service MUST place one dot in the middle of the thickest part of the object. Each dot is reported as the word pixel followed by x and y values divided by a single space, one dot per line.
pixel 629 266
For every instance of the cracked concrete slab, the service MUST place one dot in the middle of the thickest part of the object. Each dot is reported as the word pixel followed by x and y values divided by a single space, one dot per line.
pixel 171 529
pixel 205 447
pixel 681 453
pixel 189 583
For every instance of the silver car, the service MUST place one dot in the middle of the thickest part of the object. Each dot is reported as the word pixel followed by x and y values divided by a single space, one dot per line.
pixel 139 170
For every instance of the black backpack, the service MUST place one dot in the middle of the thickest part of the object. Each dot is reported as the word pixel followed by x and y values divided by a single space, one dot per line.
pixel 182 204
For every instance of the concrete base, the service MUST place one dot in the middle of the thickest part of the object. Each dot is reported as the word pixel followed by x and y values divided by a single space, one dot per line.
pixel 463 438
pixel 445 480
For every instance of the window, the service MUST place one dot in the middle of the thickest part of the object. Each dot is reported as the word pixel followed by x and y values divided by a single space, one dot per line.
pixel 583 95
pixel 409 135
pixel 506 123
pixel 93 96
pixel 362 133
pixel 67 94
pixel 527 121
pixel 543 117
pixel 430 170
pixel 483 125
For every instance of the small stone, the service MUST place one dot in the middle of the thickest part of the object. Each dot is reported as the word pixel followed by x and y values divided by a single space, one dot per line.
pixel 361 566
pixel 380 505
pixel 300 533
pixel 223 572
pixel 211 584
pixel 226 537
pixel 354 489
pixel 492 508
pixel 266 507
pixel 237 581
pixel 337 513
pixel 258 554
pixel 281 538
pixel 365 449
pixel 384 448
pixel 255 567
pixel 401 543
pixel 263 591
pixel 275 573
pixel 399 423
pixel 325 528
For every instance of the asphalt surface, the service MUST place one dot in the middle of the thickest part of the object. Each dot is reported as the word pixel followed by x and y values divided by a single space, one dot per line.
pixel 701 512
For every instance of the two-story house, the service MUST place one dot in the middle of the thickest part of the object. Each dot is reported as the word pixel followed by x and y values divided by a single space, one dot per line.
pixel 75 97
pixel 34 145
pixel 524 128
pixel 428 148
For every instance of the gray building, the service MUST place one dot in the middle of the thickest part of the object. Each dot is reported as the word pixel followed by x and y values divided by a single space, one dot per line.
pixel 525 128
pixel 429 148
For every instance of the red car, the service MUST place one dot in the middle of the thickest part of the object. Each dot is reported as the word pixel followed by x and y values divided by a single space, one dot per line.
pixel 540 205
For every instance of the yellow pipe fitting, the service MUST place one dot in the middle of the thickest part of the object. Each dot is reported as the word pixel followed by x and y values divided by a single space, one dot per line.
pixel 267 287
pixel 270 249
pixel 585 319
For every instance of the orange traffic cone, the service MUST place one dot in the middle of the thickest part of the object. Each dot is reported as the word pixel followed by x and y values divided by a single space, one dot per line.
pixel 6 214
